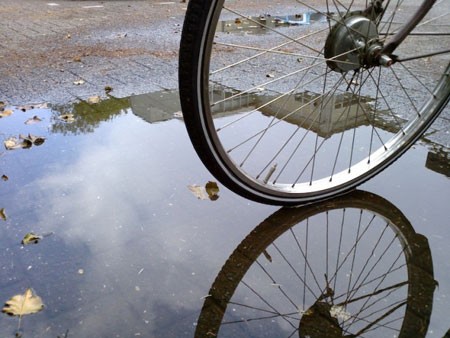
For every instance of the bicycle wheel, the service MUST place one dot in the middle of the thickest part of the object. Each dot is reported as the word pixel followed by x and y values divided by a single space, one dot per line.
pixel 292 105
pixel 352 266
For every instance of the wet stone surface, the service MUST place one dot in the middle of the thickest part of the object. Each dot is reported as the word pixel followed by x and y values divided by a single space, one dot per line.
pixel 127 245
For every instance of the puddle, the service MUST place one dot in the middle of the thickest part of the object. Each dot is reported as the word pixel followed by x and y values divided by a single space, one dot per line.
pixel 264 23
pixel 132 251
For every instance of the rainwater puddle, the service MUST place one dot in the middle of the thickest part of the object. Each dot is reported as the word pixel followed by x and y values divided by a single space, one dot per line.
pixel 124 248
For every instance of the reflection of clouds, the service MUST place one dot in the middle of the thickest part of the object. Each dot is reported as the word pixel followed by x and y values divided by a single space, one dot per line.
pixel 124 196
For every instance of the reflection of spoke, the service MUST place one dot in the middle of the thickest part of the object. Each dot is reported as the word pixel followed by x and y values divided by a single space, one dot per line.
pixel 246 320
pixel 294 270
pixel 271 29
pixel 375 323
pixel 366 303
pixel 274 282
pixel 292 315
pixel 338 268
pixel 266 302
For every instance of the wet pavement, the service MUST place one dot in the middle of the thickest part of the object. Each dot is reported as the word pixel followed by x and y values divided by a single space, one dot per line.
pixel 124 248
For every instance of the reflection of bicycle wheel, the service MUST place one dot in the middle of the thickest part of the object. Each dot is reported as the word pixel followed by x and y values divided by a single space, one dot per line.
pixel 294 106
pixel 352 266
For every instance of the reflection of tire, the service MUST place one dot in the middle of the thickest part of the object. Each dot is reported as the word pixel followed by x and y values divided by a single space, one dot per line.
pixel 267 285
pixel 276 118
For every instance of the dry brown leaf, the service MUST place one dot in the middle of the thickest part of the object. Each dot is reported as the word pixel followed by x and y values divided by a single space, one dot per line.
pixel 25 304
pixel 13 143
pixel 5 178
pixel 33 120
pixel 3 214
pixel 33 139
pixel 67 118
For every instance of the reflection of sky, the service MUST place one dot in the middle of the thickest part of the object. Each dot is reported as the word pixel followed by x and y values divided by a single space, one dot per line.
pixel 119 208
pixel 118 205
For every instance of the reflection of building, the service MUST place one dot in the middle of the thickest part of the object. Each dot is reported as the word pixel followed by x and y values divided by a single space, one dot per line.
pixel 323 115
pixel 156 107
pixel 438 160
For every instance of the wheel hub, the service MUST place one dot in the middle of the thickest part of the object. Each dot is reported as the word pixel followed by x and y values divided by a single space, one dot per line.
pixel 353 43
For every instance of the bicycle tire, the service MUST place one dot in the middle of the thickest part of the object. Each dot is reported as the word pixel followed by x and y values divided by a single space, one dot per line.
pixel 256 182
pixel 421 283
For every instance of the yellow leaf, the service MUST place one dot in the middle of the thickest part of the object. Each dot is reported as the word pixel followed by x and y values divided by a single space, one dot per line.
pixel 93 99
pixel 5 113
pixel 31 238
pixel 25 304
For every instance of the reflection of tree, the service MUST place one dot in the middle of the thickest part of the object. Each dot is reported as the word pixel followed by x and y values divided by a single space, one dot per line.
pixel 87 116
pixel 347 267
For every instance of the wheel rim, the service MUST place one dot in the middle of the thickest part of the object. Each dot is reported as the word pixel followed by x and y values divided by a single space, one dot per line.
pixel 256 137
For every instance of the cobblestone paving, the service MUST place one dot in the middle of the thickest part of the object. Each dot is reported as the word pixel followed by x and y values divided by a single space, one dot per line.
pixel 45 48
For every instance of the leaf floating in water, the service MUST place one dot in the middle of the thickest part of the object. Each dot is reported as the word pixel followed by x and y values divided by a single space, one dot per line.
pixel 198 191
pixel 5 113
pixel 33 120
pixel 67 118
pixel 209 191
pixel 13 143
pixel 3 214
pixel 34 106
pixel 93 99
pixel 212 189
pixel 33 139
pixel 25 304
pixel 31 238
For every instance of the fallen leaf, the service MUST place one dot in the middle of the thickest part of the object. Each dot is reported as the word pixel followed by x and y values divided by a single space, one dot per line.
pixel 3 214
pixel 33 106
pixel 6 113
pixel 209 191
pixel 67 118
pixel 93 99
pixel 13 143
pixel 198 191
pixel 32 139
pixel 77 58
pixel 33 120
pixel 31 238
pixel 78 82
pixel 212 189
pixel 5 178
pixel 25 304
